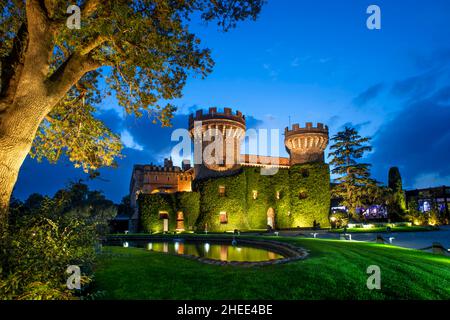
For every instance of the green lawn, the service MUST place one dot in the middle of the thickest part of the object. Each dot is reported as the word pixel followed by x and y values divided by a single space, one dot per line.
pixel 334 270
pixel 383 229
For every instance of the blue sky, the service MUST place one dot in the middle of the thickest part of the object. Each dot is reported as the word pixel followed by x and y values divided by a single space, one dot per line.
pixel 310 61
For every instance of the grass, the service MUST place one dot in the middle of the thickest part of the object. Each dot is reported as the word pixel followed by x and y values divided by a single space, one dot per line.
pixel 383 229
pixel 334 270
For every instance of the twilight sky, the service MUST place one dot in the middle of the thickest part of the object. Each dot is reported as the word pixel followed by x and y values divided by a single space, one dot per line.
pixel 310 61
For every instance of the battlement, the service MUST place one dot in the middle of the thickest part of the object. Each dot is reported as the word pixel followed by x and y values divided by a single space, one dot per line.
pixel 309 128
pixel 213 115
pixel 147 168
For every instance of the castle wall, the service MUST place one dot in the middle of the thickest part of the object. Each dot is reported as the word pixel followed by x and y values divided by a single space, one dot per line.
pixel 310 194
pixel 298 196
pixel 234 195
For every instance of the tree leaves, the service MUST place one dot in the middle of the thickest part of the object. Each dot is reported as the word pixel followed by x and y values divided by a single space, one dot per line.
pixel 147 52
pixel 71 128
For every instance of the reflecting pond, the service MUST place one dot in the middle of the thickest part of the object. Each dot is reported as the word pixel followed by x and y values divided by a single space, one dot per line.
pixel 210 250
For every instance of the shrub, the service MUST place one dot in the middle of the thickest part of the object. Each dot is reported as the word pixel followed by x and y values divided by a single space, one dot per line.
pixel 340 219
pixel 45 235
pixel 38 254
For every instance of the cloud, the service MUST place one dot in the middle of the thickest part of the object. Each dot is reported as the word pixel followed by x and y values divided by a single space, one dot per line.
pixel 324 60
pixel 357 126
pixel 145 142
pixel 427 180
pixel 128 141
pixel 296 62
pixel 417 140
pixel 417 85
pixel 368 95
pixel 271 71
pixel 252 122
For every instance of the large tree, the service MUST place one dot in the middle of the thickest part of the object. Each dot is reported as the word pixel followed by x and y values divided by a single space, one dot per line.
pixel 354 184
pixel 53 77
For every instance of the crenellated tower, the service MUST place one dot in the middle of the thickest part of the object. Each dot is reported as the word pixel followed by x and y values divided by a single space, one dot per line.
pixel 217 141
pixel 306 144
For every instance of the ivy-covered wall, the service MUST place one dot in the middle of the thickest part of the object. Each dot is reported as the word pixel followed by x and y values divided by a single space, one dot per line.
pixel 310 194
pixel 150 206
pixel 232 202
pixel 299 196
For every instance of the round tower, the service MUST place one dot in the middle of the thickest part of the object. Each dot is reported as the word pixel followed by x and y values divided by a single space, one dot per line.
pixel 217 140
pixel 306 144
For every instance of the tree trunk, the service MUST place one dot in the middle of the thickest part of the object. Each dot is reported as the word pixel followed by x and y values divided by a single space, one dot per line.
pixel 18 126
pixel 28 92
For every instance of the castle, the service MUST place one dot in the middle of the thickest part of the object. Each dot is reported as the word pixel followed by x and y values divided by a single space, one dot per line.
pixel 226 190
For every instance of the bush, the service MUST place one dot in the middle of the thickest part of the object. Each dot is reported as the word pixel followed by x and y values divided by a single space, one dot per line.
pixel 38 254
pixel 340 219
pixel 45 235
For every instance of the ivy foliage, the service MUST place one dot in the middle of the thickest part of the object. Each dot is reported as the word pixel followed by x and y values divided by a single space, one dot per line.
pixel 299 197
pixel 151 205
pixel 310 194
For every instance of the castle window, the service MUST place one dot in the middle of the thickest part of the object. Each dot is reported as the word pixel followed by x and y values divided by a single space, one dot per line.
pixel 163 215
pixel 222 191
pixel 302 195
pixel 255 194
pixel 277 195
pixel 223 217
pixel 156 178
pixel 305 173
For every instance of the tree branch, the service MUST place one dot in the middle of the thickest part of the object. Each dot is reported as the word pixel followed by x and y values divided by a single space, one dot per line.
pixel 50 6
pixel 37 56
pixel 68 74
pixel 89 7
pixel 98 41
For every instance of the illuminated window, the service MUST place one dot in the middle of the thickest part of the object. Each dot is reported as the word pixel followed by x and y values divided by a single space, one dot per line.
pixel 222 191
pixel 223 218
pixel 255 194
pixel 163 215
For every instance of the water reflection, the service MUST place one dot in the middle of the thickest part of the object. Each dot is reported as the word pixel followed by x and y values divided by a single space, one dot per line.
pixel 216 251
